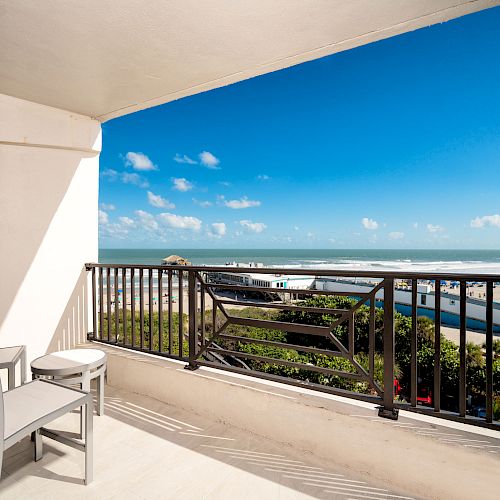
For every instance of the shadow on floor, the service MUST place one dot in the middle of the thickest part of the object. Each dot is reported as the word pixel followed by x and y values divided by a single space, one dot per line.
pixel 251 453
pixel 203 457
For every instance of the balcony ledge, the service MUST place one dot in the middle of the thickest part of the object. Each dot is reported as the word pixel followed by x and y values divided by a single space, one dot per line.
pixel 451 458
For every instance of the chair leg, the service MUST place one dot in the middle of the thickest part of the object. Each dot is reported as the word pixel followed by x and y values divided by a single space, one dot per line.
pixel 38 445
pixel 12 377
pixel 82 425
pixel 89 441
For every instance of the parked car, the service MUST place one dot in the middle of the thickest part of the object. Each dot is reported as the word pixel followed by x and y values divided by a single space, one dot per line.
pixel 479 411
pixel 424 396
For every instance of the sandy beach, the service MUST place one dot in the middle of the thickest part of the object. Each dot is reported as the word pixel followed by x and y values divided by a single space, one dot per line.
pixel 473 291
pixel 453 334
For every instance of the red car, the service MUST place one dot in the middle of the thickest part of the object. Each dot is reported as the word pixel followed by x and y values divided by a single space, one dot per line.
pixel 424 396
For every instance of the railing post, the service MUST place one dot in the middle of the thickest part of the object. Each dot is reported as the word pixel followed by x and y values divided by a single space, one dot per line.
pixel 388 410
pixel 489 351
pixel 414 343
pixel 462 387
pixel 94 306
pixel 437 346
pixel 193 320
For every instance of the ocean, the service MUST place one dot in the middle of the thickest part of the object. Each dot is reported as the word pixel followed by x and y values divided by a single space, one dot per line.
pixel 472 261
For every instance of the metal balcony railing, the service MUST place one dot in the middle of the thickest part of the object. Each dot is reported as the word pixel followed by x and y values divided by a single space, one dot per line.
pixel 349 348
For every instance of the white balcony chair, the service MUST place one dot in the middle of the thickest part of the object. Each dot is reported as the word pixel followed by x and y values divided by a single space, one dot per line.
pixel 26 409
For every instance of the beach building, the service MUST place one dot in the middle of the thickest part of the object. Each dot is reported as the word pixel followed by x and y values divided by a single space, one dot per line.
pixel 175 260
pixel 273 281
pixel 168 432
pixel 426 302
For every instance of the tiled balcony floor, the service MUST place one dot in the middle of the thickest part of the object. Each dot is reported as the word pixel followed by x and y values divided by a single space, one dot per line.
pixel 146 449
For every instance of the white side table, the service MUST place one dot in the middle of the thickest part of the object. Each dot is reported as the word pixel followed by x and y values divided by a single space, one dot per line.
pixel 9 357
pixel 74 366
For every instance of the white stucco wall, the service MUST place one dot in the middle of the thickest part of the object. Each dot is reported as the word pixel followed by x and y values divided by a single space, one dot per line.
pixel 49 173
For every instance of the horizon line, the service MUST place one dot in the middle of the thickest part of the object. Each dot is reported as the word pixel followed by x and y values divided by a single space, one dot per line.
pixel 316 249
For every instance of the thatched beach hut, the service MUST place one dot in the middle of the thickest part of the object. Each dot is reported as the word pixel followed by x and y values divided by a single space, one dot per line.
pixel 175 260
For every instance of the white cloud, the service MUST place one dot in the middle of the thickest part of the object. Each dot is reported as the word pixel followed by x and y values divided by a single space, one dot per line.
pixel 218 230
pixel 202 204
pixel 107 206
pixel 296 228
pixel 225 183
pixel 115 230
pixel 134 179
pixel 486 220
pixel 255 227
pixel 184 159
pixel 181 184
pixel 125 177
pixel 126 221
pixel 434 228
pixel 208 160
pixel 180 222
pixel 415 225
pixel 242 203
pixel 396 235
pixel 263 177
pixel 139 161
pixel 157 201
pixel 103 217
pixel 146 220
pixel 110 174
pixel 369 224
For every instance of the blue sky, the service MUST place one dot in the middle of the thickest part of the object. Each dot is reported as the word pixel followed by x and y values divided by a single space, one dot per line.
pixel 395 144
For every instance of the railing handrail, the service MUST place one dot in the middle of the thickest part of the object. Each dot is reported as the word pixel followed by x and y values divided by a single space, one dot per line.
pixel 430 276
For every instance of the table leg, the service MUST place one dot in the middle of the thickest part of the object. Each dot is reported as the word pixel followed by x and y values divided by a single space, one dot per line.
pixel 89 439
pixel 86 381
pixel 85 386
pixel 23 367
pixel 33 377
pixel 100 394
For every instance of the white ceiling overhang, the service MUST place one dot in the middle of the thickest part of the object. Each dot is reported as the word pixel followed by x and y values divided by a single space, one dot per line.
pixel 109 58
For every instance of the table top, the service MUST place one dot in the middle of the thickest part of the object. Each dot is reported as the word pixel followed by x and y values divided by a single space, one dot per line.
pixel 9 355
pixel 68 362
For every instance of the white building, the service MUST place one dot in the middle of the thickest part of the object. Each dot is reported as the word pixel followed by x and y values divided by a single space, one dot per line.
pixel 450 304
pixel 277 281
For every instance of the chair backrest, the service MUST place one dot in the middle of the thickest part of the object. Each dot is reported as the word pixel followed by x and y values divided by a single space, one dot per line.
pixel 2 420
